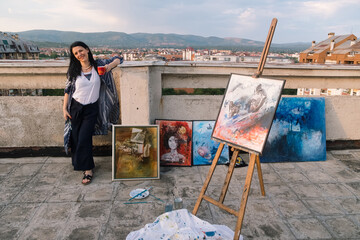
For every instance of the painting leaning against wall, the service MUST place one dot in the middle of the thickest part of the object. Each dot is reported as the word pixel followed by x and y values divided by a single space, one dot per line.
pixel 175 142
pixel 135 152
pixel 298 132
pixel 204 148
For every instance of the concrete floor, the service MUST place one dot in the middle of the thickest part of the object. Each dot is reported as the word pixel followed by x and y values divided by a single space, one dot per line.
pixel 43 198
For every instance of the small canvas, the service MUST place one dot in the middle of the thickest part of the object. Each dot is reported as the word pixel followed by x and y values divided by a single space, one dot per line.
pixel 298 132
pixel 135 152
pixel 247 111
pixel 175 142
pixel 204 148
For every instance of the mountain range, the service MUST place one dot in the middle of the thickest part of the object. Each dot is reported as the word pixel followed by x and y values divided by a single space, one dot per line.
pixel 54 38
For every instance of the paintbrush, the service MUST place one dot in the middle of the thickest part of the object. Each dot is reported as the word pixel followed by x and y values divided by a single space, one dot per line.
pixel 134 202
pixel 157 198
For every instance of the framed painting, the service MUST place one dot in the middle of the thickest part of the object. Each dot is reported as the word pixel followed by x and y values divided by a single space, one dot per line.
pixel 247 111
pixel 175 142
pixel 298 132
pixel 135 152
pixel 204 148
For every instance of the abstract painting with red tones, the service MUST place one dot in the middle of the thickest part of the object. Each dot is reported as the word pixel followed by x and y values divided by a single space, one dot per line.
pixel 247 112
pixel 175 142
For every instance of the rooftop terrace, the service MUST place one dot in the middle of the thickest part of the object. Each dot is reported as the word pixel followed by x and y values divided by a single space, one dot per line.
pixel 42 198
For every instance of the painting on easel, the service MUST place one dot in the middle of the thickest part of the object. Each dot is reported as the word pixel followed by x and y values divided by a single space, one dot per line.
pixel 247 111
pixel 175 142
pixel 298 132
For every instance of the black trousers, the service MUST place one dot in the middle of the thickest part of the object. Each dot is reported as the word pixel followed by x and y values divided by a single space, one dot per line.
pixel 83 118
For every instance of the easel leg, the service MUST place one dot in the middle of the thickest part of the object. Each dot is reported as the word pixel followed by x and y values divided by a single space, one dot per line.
pixel 208 178
pixel 261 181
pixel 245 195
pixel 228 176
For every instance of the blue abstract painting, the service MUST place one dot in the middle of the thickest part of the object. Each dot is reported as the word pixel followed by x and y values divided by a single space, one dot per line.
pixel 204 148
pixel 298 131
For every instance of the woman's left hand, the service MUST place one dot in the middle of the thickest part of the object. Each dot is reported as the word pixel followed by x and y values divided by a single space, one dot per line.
pixel 111 65
pixel 107 68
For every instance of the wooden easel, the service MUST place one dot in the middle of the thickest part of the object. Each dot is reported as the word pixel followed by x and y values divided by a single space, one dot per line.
pixel 254 159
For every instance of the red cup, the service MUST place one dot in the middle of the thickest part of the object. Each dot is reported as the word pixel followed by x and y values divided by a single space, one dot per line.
pixel 101 70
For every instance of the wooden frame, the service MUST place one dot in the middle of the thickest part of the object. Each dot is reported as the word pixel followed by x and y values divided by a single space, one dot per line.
pixel 175 142
pixel 135 152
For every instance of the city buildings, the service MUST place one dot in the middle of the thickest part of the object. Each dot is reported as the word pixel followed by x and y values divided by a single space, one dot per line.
pixel 342 49
pixel 11 47
pixel 189 54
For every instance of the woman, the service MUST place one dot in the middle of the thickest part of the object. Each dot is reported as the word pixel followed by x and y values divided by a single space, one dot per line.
pixel 90 105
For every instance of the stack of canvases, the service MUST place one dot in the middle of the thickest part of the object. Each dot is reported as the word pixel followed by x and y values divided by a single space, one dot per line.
pixel 246 120
pixel 297 134
pixel 186 143
pixel 138 151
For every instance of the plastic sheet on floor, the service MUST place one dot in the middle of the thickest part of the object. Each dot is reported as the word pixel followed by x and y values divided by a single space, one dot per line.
pixel 179 225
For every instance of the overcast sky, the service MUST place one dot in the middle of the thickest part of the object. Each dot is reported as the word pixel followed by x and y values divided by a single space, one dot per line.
pixel 298 21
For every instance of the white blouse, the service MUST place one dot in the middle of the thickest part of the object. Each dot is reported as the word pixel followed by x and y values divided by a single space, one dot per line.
pixel 87 91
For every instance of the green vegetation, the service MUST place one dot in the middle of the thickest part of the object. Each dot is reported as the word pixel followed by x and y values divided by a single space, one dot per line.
pixel 288 91
pixel 53 92
pixel 196 91
pixel 53 55
pixel 210 91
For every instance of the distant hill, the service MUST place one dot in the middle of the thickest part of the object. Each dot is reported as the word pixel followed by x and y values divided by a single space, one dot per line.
pixel 53 38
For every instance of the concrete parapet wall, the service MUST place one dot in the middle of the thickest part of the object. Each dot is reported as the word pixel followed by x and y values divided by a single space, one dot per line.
pixel 342 115
pixel 34 122
pixel 38 122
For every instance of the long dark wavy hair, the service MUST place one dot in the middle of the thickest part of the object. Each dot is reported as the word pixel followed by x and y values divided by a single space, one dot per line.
pixel 75 65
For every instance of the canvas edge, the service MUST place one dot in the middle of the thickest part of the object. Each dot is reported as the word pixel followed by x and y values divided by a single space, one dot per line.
pixel 113 153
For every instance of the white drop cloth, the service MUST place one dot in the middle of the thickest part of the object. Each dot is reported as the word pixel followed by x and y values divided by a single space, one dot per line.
pixel 180 225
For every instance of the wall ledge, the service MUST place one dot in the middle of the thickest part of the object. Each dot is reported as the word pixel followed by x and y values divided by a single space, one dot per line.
pixel 106 150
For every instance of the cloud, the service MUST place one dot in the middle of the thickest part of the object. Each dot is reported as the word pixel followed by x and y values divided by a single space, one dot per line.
pixel 321 8
pixel 81 15
pixel 235 11
pixel 303 20
pixel 67 15
pixel 247 20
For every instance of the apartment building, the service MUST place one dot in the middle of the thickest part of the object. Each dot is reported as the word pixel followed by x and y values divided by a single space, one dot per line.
pixel 189 54
pixel 11 47
pixel 342 49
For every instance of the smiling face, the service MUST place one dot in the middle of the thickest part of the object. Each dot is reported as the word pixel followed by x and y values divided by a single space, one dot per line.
pixel 81 54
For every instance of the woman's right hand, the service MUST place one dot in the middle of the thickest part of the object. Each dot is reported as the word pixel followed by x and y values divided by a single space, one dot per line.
pixel 66 114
